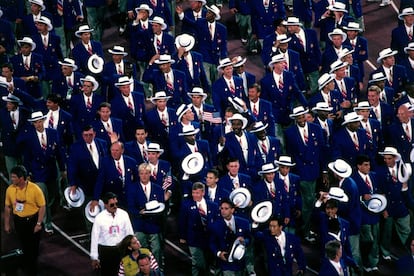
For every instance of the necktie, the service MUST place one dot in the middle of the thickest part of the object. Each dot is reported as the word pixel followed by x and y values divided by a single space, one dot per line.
pixel 144 26
pixel 26 63
pixel 158 45
pixel 410 34
pixel 145 192
pixel 144 154
pixel 236 184
pixel 255 113
pixel 240 142
pixel 154 3
pixel 169 82
pixel 43 141
pixel 90 50
pixel 108 128
pixel 164 120
pixel 232 89
pixel 280 82
pixel 393 176
pixel 264 148
pixel 407 132
pixel 13 119
pixel 229 226
pixel 130 106
pixel 201 210
pixel 343 90
pixel 90 149
pixel 305 136
pixel 376 113
pixel 45 42
pixel 369 135
pixel 272 190
pixel 51 120
pixel 120 71
pixel 368 183
pixel 353 43
pixel 69 82
pixel 60 7
pixel 300 39
pixel 286 61
pixel 391 77
pixel 266 3
pixel 355 140
pixel 154 173
pixel 210 28
pixel 88 103
pixel 195 148
pixel 118 168
pixel 329 98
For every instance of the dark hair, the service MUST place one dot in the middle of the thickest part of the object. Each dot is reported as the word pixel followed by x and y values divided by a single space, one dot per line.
pixel 104 104
pixel 108 196
pixel 331 203
pixel 227 201
pixel 143 256
pixel 257 86
pixel 56 98
pixel 280 220
pixel 19 171
pixel 87 128
pixel 214 171
pixel 8 65
pixel 331 249
pixel 124 244
pixel 232 159
pixel 360 159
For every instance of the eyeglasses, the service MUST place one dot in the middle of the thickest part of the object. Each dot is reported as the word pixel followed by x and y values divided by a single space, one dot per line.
pixel 112 205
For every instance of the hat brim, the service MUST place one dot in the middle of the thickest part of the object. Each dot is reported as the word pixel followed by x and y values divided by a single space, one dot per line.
pixel 293 116
pixel 218 17
pixel 37 118
pixel 74 66
pixel 254 130
pixel 149 10
pixel 268 171
pixel 224 65
pixel 244 121
pixel 281 163
pixel 7 99
pixel 379 79
pixel 345 174
pixel 237 104
pixel 49 26
pixel 245 193
pixel 262 212
pixel 393 53
pixel 376 208
pixel 344 64
pixel 326 109
pixel 401 15
pixel 194 132
pixel 32 43
pixel 397 155
pixel 190 94
pixel 72 203
pixel 235 245
pixel 240 63
pixel 186 47
pixel 193 163
pixel 94 82
pixel 159 209
pixel 160 151
pixel 154 99
pixel 79 33
pixel 95 64
pixel 404 172
pixel 118 84
pixel 163 25
pixel 353 120
pixel 99 208
pixel 117 53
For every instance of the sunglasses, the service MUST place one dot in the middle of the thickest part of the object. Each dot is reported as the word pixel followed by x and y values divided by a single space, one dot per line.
pixel 112 205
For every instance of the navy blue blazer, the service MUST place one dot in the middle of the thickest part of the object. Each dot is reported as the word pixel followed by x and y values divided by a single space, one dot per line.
pixel 146 223
pixel 329 56
pixel 61 87
pixel 221 194
pixel 327 269
pixel 396 137
pixel 226 182
pixel 399 40
pixel 101 133
pixel 81 56
pixel 222 239
pixel 282 100
pixel 405 265
pixel 132 149
pixel 294 196
pixel 109 179
pixel 7 34
pixel 199 75
pixel 221 91
pixel 119 109
pixel 36 68
pixel 399 77
pixel 189 29
pixel 166 47
pixel 274 150
pixel 81 114
pixel 280 202
pixel 350 89
pixel 82 171
pixel 65 128
pixel 262 18
pixel 387 115
pixel 163 170
pixel 139 47
pixel 51 55
pixel 351 210
pixel 367 217
pixel 179 91
pixel 265 115
pixel 310 158
pixel 40 163
pixel 344 147
pixel 360 53
pixel 311 56
pixel 408 68
pixel 9 134
pixel 28 25
pixel 194 226
pixel 336 100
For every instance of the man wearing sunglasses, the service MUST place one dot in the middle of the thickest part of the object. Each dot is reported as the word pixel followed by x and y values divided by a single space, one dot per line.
pixel 110 227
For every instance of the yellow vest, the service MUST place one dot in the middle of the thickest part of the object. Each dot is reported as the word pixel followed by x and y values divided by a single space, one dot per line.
pixel 130 265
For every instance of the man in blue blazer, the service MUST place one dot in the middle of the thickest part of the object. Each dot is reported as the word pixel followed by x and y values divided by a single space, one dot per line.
pixel 405 264
pixel 406 62
pixel 161 119
pixel 358 43
pixel 42 150
pixel 282 249
pixel 269 146
pixel 83 106
pixel 214 190
pixel 226 86
pixel 29 67
pixel 68 82
pixel 324 118
pixel 13 118
pixel 381 111
pixel 261 109
pixel 164 78
pixel 239 70
pixel 128 106
pixel 263 17
pixel 49 48
pixel 117 173
pixel 108 128
pixel 234 179
pixel 403 33
pixel 196 11
pixel 329 55
pixel 347 86
pixel 280 88
pixel 305 42
pixel 396 74
pixel 196 216
pixel 190 62
pixel 350 140
pixel 223 234
pixel 85 48
pixel 159 42
pixel 147 224
pixel 211 39
pixel 137 148
pixel 37 9
pixel 305 143
pixel 160 169
pixel 333 264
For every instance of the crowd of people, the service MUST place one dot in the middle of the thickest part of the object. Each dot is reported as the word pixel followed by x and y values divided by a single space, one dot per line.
pixel 173 124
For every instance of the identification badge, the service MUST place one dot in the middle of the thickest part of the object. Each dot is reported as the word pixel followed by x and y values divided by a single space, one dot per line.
pixel 19 207
pixel 114 230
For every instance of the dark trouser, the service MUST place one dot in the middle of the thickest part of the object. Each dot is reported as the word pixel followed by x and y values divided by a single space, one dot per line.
pixel 109 260
pixel 29 241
